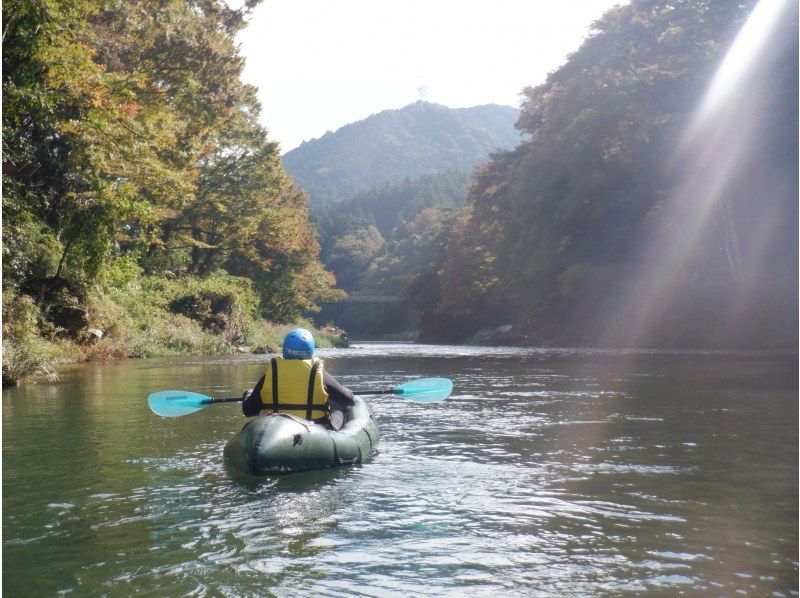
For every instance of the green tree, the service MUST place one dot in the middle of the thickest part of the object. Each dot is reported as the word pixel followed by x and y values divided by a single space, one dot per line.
pixel 353 253
pixel 130 143
pixel 561 228
pixel 82 161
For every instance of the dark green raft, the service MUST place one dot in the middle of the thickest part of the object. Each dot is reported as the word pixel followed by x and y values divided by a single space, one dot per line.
pixel 281 443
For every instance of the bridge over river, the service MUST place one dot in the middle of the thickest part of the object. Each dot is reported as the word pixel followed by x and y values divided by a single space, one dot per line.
pixel 362 299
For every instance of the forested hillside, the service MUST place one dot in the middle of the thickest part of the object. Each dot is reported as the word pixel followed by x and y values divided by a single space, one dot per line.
pixel 389 147
pixel 378 241
pixel 395 222
pixel 656 201
pixel 371 232
pixel 142 200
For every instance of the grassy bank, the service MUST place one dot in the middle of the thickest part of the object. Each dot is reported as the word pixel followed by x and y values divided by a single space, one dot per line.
pixel 145 317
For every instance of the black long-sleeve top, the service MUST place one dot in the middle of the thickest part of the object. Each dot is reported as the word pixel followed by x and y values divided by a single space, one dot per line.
pixel 339 396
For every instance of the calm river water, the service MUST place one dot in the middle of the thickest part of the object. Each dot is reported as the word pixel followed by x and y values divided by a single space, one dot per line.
pixel 547 473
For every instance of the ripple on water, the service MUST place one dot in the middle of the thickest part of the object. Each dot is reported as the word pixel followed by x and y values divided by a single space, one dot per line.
pixel 546 473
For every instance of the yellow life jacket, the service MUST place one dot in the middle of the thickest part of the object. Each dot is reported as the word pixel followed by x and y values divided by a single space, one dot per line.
pixel 294 386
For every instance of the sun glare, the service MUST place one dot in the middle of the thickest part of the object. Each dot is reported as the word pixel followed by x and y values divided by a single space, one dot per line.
pixel 743 56
pixel 718 141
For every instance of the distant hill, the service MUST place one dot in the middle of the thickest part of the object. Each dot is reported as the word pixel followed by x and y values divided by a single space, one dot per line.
pixel 356 231
pixel 391 206
pixel 393 145
pixel 380 241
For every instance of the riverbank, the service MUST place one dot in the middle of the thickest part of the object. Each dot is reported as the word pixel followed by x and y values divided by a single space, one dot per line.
pixel 147 317
pixel 509 335
pixel 38 359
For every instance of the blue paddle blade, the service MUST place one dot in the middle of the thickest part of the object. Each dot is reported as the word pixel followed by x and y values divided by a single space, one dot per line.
pixel 174 403
pixel 426 390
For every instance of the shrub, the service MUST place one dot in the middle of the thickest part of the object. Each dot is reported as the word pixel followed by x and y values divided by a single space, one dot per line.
pixel 143 317
pixel 20 315
pixel 267 337
pixel 332 336
pixel 221 304
pixel 25 359
pixel 137 323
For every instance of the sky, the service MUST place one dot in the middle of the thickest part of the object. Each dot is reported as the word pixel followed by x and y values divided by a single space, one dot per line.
pixel 321 64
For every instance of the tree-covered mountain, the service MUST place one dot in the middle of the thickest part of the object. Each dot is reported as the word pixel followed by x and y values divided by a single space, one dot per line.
pixel 656 203
pixel 393 145
pixel 362 237
pixel 377 241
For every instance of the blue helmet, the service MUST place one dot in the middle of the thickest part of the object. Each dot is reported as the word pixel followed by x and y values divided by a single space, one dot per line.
pixel 298 344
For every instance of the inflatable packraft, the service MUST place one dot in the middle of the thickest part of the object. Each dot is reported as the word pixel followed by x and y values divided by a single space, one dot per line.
pixel 283 443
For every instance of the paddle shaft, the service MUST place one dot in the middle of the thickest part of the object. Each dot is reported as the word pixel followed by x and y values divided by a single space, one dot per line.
pixel 387 391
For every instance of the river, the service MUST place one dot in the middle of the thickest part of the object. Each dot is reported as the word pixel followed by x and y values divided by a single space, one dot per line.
pixel 548 472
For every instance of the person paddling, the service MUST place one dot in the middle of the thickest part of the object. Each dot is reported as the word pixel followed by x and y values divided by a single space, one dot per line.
pixel 297 384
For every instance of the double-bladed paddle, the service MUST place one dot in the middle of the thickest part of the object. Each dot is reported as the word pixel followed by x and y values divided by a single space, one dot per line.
pixel 174 403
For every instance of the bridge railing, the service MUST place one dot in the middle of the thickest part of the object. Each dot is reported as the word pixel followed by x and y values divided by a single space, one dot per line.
pixel 364 299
